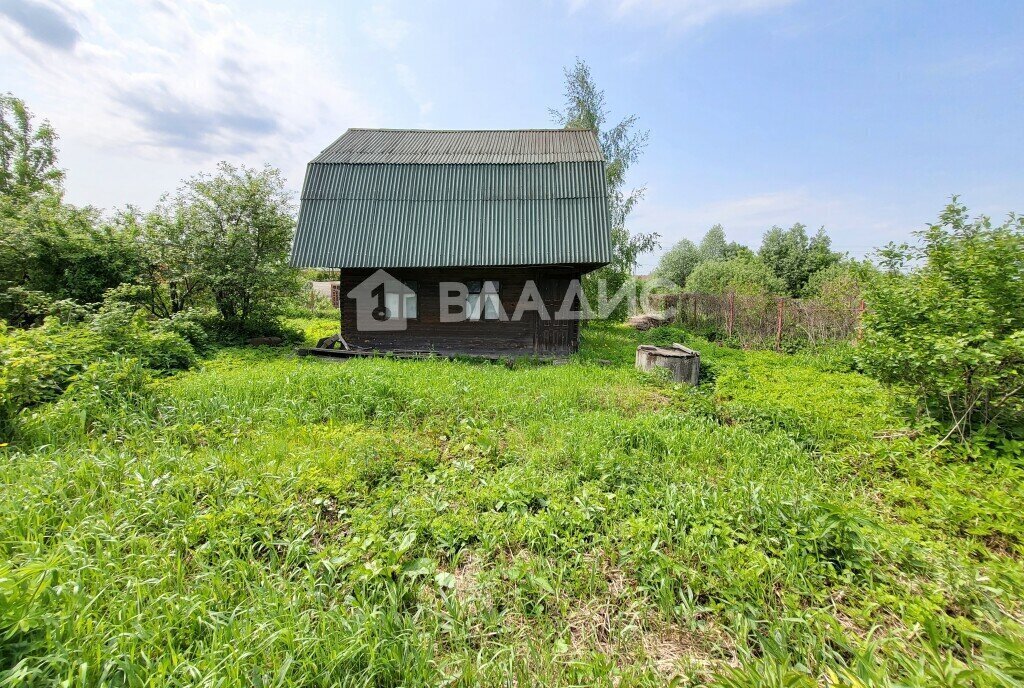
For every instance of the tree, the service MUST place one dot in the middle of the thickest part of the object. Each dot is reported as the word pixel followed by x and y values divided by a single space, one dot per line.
pixel 713 246
pixel 50 251
pixel 28 154
pixel 622 144
pixel 678 262
pixel 794 257
pixel 683 258
pixel 841 284
pixel 228 235
pixel 946 319
pixel 744 274
pixel 172 279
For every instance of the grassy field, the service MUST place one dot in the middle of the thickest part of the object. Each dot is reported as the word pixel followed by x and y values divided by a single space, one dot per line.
pixel 272 521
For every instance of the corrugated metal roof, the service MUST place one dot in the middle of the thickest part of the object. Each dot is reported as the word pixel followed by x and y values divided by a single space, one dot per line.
pixel 418 212
pixel 444 147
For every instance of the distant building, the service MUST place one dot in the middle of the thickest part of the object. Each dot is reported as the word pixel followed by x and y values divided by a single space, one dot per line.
pixel 326 289
pixel 466 227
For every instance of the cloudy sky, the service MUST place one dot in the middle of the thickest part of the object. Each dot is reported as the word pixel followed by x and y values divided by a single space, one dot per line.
pixel 862 116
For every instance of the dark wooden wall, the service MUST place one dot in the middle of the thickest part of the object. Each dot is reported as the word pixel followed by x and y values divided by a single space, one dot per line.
pixel 530 336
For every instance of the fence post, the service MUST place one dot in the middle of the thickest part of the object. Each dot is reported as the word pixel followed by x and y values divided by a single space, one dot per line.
pixel 732 314
pixel 778 327
pixel 861 307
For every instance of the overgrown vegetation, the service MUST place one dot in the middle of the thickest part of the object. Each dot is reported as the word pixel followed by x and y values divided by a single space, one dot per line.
pixel 271 520
pixel 788 263
pixel 947 320
pixel 38 364
pixel 174 513
pixel 218 246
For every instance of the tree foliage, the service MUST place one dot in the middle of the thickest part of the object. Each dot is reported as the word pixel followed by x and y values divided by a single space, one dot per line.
pixel 678 262
pixel 622 144
pixel 28 153
pixel 794 257
pixel 947 320
pixel 64 251
pixel 841 284
pixel 714 245
pixel 223 237
pixel 744 274
pixel 682 259
pixel 52 254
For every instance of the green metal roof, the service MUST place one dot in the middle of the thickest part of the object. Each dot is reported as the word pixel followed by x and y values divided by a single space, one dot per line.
pixel 390 199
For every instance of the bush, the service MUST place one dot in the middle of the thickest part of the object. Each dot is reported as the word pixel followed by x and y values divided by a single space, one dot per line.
pixel 27 307
pixel 744 274
pixel 232 333
pixel 38 364
pixel 107 394
pixel 53 251
pixel 157 344
pixel 947 320
pixel 841 284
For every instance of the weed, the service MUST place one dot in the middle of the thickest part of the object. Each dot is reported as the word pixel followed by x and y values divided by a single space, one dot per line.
pixel 264 519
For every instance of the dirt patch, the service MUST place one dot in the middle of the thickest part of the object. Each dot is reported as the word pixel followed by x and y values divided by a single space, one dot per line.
pixel 628 630
pixel 466 578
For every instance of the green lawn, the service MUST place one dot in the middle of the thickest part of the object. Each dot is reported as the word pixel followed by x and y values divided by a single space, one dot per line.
pixel 269 520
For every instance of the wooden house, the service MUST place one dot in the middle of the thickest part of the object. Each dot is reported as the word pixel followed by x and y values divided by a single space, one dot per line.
pixel 425 224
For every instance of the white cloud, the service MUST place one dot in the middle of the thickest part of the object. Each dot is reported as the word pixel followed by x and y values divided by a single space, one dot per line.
pixel 407 78
pixel 388 32
pixel 186 80
pixel 384 27
pixel 682 14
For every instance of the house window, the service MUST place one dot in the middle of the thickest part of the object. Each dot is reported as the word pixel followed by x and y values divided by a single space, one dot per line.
pixel 482 300
pixel 401 304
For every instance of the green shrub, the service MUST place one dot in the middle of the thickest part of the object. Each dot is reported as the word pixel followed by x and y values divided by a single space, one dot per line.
pixel 107 394
pixel 233 333
pixel 189 325
pixel 156 343
pixel 744 274
pixel 947 321
pixel 59 252
pixel 841 284
pixel 37 364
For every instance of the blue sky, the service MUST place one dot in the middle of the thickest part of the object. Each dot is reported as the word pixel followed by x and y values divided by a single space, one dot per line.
pixel 860 116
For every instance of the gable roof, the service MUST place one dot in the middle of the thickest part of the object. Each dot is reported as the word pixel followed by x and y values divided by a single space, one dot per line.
pixel 387 198
pixel 451 147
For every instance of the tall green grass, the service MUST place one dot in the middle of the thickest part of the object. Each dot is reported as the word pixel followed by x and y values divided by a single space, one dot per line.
pixel 268 520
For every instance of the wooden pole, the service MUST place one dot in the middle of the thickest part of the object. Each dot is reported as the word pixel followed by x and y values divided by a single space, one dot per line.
pixel 732 313
pixel 778 328
pixel 861 307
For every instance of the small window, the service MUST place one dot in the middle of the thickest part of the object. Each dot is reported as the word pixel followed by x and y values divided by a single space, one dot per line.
pixel 401 305
pixel 482 300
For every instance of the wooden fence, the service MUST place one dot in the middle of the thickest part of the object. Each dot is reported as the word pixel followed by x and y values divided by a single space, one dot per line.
pixel 759 321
